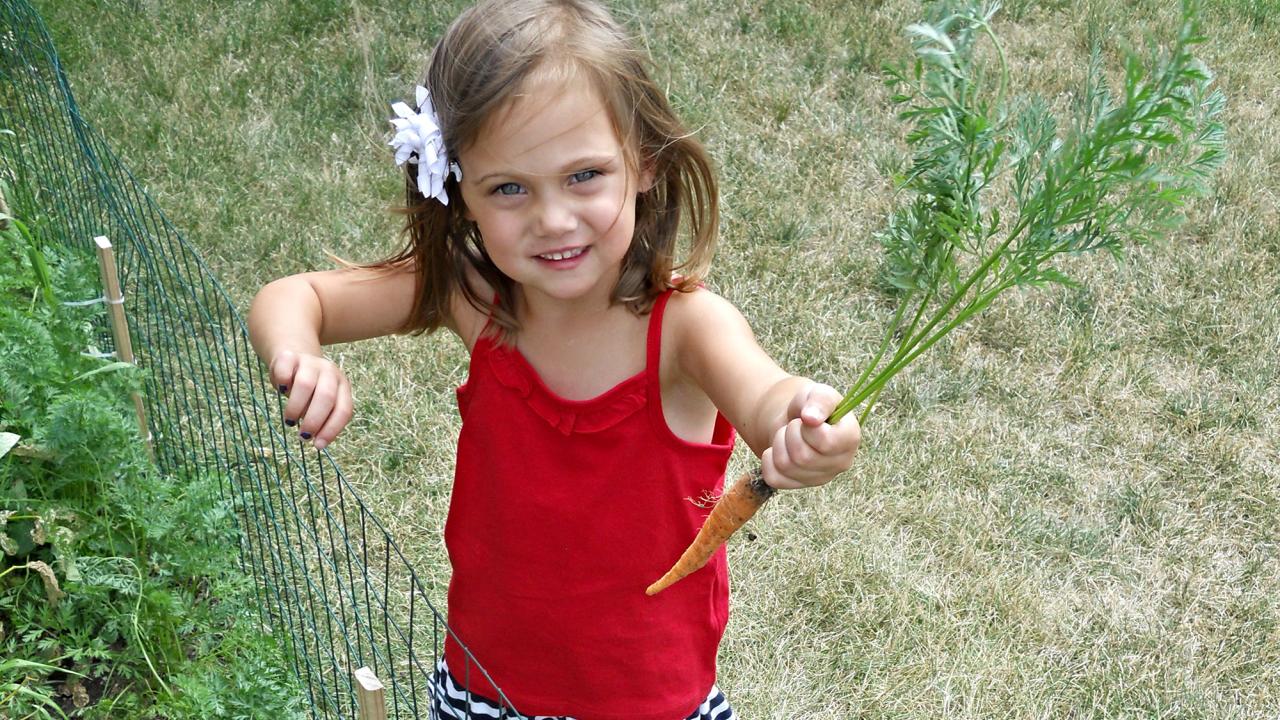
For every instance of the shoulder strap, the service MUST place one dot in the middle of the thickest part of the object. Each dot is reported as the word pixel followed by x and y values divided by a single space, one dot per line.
pixel 653 346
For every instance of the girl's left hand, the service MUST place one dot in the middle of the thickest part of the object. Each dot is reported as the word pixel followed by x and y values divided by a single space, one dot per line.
pixel 807 451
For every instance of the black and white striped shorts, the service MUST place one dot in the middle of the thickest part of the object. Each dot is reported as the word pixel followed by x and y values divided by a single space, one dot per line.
pixel 449 702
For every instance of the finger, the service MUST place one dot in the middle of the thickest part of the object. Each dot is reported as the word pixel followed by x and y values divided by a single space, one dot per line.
pixel 811 465
pixel 850 426
pixel 338 419
pixel 800 453
pixel 832 440
pixel 820 401
pixel 304 382
pixel 777 465
pixel 323 399
pixel 772 477
pixel 283 366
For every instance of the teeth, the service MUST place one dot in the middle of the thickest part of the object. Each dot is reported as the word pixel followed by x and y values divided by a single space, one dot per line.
pixel 562 255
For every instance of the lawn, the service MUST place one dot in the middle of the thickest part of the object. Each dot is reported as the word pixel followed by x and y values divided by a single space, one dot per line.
pixel 1070 508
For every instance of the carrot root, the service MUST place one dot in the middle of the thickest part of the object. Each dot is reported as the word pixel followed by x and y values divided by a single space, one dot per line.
pixel 731 512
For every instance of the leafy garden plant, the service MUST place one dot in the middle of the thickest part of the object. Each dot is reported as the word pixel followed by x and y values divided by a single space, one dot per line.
pixel 999 190
pixel 120 594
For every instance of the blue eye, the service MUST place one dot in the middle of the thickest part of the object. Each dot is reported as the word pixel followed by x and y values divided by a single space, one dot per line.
pixel 584 176
pixel 508 189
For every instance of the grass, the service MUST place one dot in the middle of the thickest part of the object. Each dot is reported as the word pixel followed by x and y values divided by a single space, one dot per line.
pixel 1069 509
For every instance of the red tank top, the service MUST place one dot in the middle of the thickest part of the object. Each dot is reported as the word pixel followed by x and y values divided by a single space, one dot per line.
pixel 562 513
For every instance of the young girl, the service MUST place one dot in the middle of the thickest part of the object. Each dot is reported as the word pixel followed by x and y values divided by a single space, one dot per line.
pixel 548 180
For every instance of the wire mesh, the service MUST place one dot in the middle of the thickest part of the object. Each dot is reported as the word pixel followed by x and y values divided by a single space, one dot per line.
pixel 331 582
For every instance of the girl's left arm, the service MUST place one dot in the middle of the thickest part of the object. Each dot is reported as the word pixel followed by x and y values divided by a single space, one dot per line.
pixel 782 417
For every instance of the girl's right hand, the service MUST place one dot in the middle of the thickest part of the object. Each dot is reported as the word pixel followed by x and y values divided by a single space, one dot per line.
pixel 319 395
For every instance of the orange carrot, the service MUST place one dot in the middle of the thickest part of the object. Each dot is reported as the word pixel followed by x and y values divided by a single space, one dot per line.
pixel 731 512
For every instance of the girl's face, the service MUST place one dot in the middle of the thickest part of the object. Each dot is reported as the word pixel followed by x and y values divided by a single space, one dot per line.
pixel 547 183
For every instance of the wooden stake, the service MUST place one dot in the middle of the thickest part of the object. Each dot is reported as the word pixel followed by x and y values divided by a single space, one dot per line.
pixel 370 696
pixel 119 325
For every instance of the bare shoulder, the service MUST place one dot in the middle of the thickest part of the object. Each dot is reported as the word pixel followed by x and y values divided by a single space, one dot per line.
pixel 702 331
pixel 713 348
pixel 689 305
pixel 701 315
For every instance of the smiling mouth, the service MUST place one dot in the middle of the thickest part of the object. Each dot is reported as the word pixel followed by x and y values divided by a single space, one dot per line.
pixel 563 254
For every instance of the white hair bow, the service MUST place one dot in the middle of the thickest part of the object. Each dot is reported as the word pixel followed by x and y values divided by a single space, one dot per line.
pixel 418 133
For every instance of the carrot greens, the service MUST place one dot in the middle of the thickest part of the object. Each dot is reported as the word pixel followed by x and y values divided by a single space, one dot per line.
pixel 1117 175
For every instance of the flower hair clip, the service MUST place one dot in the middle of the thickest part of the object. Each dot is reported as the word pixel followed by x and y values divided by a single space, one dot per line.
pixel 418 134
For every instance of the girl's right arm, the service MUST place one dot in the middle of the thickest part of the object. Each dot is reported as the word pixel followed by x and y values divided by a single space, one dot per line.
pixel 293 317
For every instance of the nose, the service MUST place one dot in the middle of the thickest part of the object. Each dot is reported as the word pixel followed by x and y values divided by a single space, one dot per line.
pixel 556 217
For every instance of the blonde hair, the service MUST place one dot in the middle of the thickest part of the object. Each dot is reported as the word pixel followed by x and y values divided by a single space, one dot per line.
pixel 483 60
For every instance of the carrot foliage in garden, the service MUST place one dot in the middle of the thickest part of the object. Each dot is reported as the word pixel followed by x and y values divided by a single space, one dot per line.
pixel 120 595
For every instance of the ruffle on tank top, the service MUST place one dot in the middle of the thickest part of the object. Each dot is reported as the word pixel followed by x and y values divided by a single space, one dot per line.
pixel 614 405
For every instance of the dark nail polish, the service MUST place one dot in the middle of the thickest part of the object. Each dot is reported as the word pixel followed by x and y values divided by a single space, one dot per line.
pixel 306 436
pixel 289 422
pixel 284 389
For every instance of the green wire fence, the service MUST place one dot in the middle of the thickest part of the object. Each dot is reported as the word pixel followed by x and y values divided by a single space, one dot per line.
pixel 331 582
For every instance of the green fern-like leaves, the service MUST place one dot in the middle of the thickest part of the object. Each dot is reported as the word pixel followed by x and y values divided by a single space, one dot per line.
pixel 1115 174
